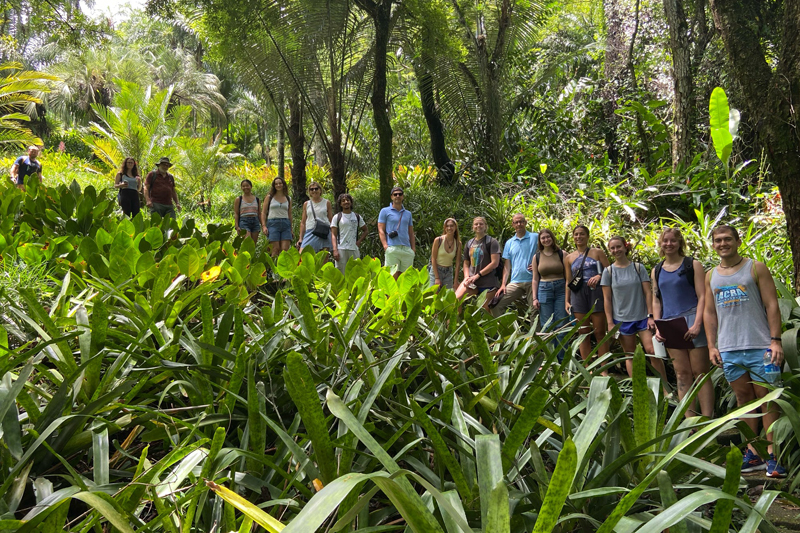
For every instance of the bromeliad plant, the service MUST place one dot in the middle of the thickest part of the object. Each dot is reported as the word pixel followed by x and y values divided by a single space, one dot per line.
pixel 177 397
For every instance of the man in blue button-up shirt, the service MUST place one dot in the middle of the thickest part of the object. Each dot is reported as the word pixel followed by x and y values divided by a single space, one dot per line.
pixel 518 253
pixel 396 230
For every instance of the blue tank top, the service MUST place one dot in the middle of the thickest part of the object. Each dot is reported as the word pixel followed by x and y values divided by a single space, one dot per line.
pixel 591 267
pixel 678 298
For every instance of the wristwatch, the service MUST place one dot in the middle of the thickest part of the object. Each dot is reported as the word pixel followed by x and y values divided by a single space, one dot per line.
pixel 650 315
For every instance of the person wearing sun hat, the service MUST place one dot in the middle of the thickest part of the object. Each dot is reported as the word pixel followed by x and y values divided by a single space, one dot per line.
pixel 159 190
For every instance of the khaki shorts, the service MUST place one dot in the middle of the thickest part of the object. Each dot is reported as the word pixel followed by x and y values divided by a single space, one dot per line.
pixel 399 258
pixel 344 257
pixel 514 292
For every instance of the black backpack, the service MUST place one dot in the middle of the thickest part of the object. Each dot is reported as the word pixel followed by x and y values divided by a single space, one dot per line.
pixel 686 269
pixel 498 271
pixel 338 229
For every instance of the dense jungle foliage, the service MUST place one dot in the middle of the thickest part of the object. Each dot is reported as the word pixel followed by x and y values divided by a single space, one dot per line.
pixel 169 376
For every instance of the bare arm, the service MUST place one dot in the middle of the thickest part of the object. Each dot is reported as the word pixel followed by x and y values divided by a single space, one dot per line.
pixel 455 263
pixel 493 265
pixel 364 233
pixel 236 203
pixel 175 198
pixel 14 173
pixel 118 181
pixel 434 264
pixel 148 202
pixel 302 225
pixel 535 282
pixel 506 273
pixel 568 278
pixel 466 269
pixel 330 212
pixel 700 290
pixel 769 296
pixel 656 302
pixel 382 234
pixel 263 217
pixel 412 239
pixel 710 321
pixel 648 299
pixel 608 303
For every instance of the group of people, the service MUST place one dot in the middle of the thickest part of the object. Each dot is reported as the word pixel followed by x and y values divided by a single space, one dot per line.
pixel 728 316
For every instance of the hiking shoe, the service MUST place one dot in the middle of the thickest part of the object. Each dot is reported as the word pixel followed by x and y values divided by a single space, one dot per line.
pixel 774 469
pixel 752 462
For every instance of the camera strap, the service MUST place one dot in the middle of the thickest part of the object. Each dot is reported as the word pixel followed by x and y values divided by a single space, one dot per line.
pixel 400 221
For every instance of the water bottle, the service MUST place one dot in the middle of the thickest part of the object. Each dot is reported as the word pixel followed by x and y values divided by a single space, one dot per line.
pixel 772 372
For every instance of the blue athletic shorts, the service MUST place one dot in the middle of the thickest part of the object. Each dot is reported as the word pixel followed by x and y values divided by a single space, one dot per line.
pixel 279 229
pixel 632 328
pixel 737 362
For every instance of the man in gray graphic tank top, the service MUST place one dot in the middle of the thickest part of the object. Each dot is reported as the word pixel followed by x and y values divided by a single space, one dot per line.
pixel 742 321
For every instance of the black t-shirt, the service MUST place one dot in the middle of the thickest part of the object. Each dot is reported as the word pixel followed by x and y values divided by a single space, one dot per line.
pixel 26 167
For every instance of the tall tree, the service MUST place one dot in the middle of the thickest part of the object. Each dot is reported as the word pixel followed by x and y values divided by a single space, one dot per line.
pixel 380 11
pixel 688 39
pixel 770 89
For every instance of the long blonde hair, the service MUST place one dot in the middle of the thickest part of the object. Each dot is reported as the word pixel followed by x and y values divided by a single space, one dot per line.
pixel 444 229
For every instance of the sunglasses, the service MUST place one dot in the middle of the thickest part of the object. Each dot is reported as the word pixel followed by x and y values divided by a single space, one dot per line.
pixel 314 189
pixel 397 194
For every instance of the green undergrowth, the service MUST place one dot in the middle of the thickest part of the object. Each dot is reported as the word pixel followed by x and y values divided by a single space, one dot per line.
pixel 167 384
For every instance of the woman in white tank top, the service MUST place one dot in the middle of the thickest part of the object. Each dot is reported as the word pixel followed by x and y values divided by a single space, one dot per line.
pixel 315 227
pixel 276 217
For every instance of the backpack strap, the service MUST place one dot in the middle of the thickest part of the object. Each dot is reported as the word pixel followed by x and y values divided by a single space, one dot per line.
pixel 657 274
pixel 338 229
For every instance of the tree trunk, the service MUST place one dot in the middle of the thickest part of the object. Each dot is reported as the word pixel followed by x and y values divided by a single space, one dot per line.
pixel 382 18
pixel 613 65
pixel 682 84
pixel 281 150
pixel 297 143
pixel 441 158
pixel 770 97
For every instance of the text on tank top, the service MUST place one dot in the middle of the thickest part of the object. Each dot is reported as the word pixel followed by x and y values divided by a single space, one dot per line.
pixel 678 298
pixel 278 209
pixel 321 210
pixel 443 257
pixel 741 318
pixel 550 267
pixel 248 209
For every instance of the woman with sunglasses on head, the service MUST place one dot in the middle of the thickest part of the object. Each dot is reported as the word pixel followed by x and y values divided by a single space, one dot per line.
pixel 315 226
pixel 629 302
pixel 587 263
pixel 549 268
pixel 446 248
pixel 276 217
pixel 128 182
pixel 679 287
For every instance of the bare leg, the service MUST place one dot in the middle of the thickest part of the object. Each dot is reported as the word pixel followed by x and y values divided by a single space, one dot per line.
pixel 771 413
pixel 745 393
pixel 657 363
pixel 698 358
pixel 254 235
pixel 275 248
pixel 586 345
pixel 600 329
pixel 628 343
pixel 684 376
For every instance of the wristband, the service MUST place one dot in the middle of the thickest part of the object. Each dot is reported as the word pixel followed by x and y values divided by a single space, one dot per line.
pixel 650 315
pixel 776 339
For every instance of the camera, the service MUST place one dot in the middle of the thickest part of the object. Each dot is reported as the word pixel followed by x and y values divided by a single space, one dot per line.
pixel 393 234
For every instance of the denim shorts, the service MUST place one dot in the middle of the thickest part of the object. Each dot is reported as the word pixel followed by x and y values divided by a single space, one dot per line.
pixel 279 229
pixel 250 224
pixel 632 328
pixel 445 276
pixel 737 362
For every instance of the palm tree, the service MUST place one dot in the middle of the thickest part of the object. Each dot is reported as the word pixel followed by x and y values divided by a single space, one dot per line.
pixel 141 124
pixel 316 53
pixel 18 89
pixel 201 164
